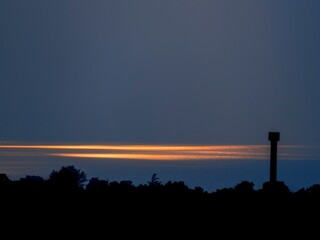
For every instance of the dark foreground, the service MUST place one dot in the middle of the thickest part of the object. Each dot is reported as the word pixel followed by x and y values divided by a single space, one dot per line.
pixel 62 207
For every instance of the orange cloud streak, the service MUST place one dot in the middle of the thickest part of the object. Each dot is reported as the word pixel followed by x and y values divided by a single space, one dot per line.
pixel 146 152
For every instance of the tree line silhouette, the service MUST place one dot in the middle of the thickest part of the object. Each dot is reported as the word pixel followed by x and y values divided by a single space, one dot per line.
pixel 67 195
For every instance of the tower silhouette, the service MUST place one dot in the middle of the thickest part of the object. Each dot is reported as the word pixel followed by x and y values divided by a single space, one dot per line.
pixel 273 185
pixel 274 137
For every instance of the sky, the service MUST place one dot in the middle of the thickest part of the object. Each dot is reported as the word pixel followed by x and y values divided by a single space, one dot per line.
pixel 173 72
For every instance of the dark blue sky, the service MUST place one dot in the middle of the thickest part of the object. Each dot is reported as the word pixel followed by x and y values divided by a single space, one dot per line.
pixel 215 72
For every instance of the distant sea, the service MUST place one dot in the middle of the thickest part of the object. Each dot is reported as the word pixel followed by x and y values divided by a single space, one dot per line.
pixel 210 167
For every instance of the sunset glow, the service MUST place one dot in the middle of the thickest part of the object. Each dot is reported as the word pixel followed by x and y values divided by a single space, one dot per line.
pixel 146 152
pixel 136 147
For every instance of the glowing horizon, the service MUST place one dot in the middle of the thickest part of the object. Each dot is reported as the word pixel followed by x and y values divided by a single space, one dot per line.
pixel 149 152
pixel 130 147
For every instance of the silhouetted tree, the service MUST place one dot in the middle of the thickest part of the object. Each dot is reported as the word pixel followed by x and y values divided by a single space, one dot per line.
pixel 97 185
pixel 244 187
pixel 199 189
pixel 314 189
pixel 122 186
pixel 32 178
pixel 4 181
pixel 68 178
pixel 4 178
pixel 178 186
pixel 32 183
pixel 154 180
pixel 277 187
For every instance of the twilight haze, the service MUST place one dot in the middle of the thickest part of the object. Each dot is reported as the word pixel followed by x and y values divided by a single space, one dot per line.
pixel 194 72
pixel 170 73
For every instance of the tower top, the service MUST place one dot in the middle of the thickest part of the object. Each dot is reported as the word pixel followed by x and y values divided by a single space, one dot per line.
pixel 274 136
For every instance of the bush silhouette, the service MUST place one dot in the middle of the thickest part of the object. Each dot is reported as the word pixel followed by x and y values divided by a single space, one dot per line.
pixel 244 187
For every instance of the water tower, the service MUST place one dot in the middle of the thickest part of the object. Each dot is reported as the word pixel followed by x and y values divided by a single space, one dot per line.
pixel 274 185
pixel 274 137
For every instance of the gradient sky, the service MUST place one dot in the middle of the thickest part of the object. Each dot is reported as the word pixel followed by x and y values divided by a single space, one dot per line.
pixel 145 71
